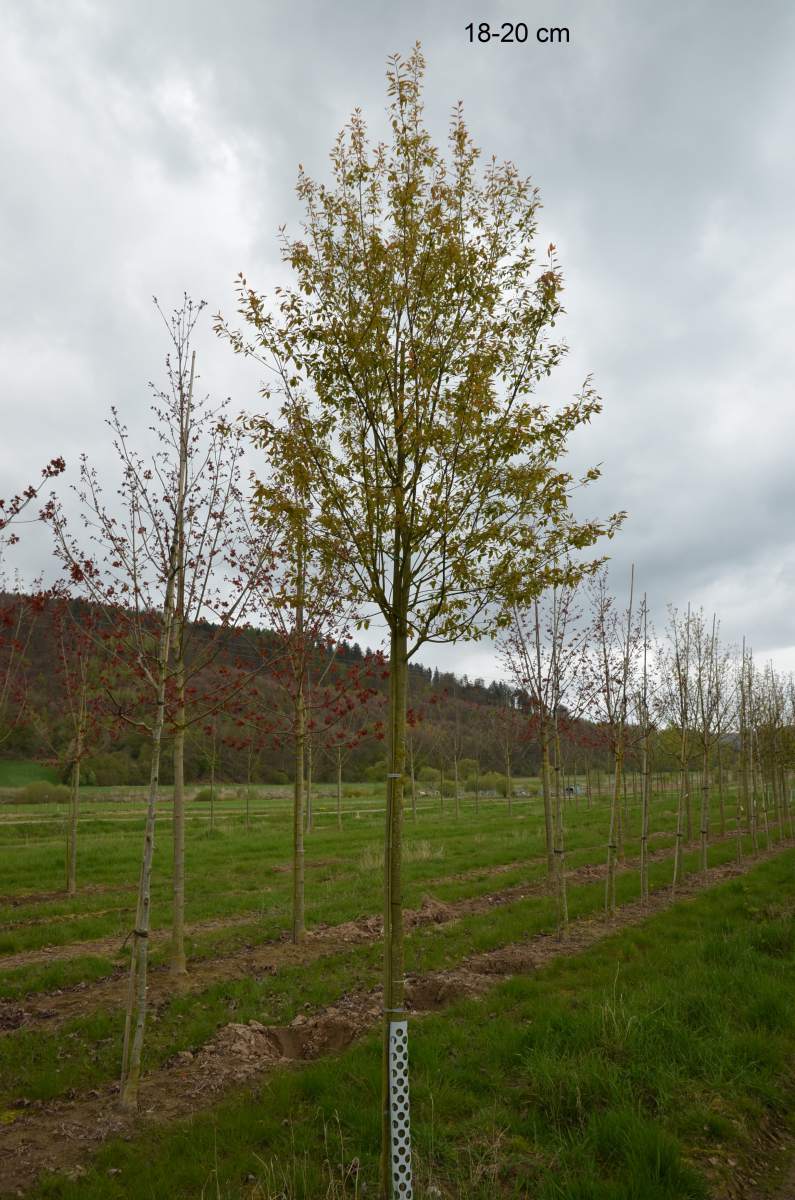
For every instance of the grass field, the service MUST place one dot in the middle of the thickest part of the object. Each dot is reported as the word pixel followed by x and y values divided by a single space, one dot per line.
pixel 566 1079
pixel 17 774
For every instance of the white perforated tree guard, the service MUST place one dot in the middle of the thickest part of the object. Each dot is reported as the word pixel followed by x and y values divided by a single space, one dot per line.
pixel 399 1120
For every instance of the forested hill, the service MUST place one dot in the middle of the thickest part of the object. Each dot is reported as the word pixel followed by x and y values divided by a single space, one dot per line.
pixel 240 704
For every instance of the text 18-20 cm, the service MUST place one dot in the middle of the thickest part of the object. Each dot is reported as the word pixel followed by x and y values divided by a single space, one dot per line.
pixel 519 32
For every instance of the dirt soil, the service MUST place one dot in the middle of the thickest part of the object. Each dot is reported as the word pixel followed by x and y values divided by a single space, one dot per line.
pixel 62 1135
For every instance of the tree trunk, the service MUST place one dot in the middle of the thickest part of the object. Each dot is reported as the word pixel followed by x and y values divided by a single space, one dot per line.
pixel 299 928
pixel 704 827
pixel 546 792
pixel 560 850
pixel 612 845
pixel 308 796
pixel 508 783
pixel 645 784
pixel 413 780
pixel 455 789
pixel 721 803
pixel 212 786
pixel 394 1099
pixel 135 1019
pixel 248 790
pixel 71 863
pixel 178 961
pixel 680 813
pixel 339 787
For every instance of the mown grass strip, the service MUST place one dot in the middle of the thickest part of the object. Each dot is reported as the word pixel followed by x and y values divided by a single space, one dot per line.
pixel 83 1053
pixel 608 1076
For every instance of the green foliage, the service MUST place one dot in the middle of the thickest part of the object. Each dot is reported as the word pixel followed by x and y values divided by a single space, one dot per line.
pixel 467 767
pixel 114 769
pixel 268 774
pixel 205 795
pixel 489 781
pixel 41 791
pixel 14 773
pixel 421 323
pixel 428 774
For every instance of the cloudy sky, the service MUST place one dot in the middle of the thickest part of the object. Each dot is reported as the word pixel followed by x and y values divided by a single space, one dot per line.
pixel 151 148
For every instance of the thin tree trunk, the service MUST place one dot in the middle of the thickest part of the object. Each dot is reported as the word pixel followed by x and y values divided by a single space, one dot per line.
pixel 680 812
pixel 455 788
pixel 560 849
pixel 413 780
pixel 394 1012
pixel 71 866
pixel 308 797
pixel 299 928
pixel 612 845
pixel 212 784
pixel 721 803
pixel 135 1019
pixel 248 789
pixel 509 783
pixel 339 787
pixel 546 792
pixel 705 811
pixel 178 959
pixel 645 784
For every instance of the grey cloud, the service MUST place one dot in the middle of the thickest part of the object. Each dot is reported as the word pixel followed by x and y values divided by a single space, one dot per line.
pixel 152 148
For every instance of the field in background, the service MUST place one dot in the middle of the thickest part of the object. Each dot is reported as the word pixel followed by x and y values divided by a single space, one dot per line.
pixel 14 774
pixel 477 883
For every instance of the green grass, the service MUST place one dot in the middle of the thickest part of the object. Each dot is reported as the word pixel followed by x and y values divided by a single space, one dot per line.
pixel 15 774
pixel 84 1052
pixel 613 1075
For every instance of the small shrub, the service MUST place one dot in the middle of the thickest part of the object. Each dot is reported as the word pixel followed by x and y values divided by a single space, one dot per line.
pixel 273 775
pixel 491 781
pixel 40 791
pixel 114 769
pixel 377 772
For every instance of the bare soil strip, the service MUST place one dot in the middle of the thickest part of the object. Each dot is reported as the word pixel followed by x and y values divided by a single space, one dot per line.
pixel 61 1135
pixel 55 1007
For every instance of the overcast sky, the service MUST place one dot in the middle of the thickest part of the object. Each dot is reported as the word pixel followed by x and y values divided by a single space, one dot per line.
pixel 151 148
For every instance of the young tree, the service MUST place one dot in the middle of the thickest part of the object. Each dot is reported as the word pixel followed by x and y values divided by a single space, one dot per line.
pixel 677 704
pixel 710 668
pixel 76 635
pixel 544 650
pixel 416 334
pixel 645 730
pixel 303 600
pixel 152 559
pixel 616 638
